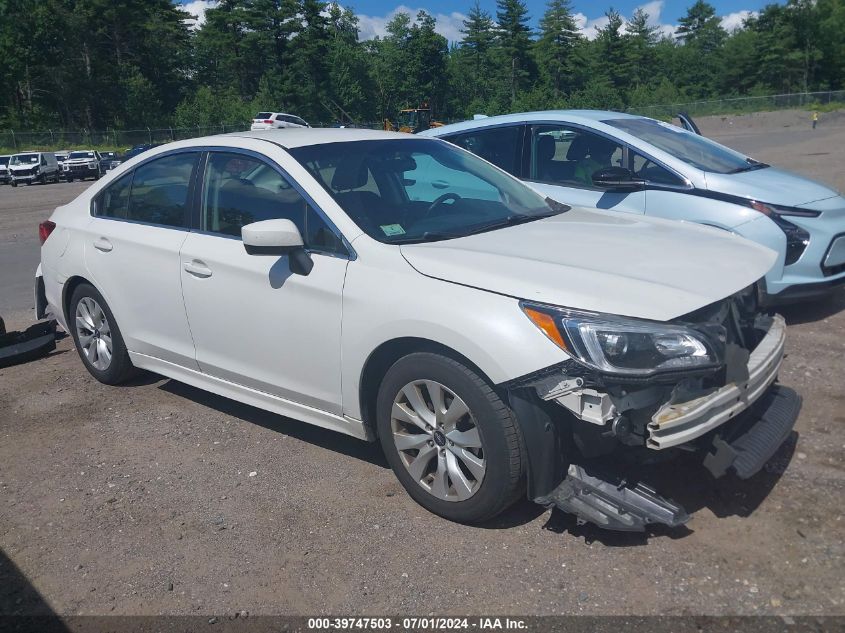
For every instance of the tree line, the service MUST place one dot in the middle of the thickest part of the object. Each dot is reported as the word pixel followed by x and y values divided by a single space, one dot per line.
pixel 97 64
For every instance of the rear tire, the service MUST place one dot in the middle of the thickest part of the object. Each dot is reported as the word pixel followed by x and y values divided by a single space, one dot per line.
pixel 453 444
pixel 97 337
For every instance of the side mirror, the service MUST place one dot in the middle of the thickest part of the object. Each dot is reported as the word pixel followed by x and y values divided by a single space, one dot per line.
pixel 278 238
pixel 617 179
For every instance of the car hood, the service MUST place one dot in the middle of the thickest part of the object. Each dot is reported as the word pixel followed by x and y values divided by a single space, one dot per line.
pixel 770 185
pixel 22 167
pixel 600 261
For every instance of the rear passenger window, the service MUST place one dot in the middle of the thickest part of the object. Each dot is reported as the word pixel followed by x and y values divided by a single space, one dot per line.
pixel 114 201
pixel 240 190
pixel 160 190
pixel 498 145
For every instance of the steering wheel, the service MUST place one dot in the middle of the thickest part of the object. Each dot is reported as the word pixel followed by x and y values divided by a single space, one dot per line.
pixel 438 201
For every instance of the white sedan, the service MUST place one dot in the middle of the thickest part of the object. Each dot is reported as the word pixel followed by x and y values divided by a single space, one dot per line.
pixel 401 289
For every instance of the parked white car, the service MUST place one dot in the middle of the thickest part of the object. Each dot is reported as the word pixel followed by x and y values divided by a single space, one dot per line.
pixel 401 289
pixel 276 120
pixel 32 167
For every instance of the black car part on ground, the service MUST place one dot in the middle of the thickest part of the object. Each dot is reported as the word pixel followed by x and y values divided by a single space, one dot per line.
pixel 34 342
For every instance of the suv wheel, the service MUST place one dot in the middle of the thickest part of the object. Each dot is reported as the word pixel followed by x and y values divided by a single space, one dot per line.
pixel 97 337
pixel 451 441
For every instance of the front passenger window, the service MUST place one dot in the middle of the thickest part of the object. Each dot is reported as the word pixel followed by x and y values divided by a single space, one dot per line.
pixel 652 172
pixel 565 155
pixel 240 190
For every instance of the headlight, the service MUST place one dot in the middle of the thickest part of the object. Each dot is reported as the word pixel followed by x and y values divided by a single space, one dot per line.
pixel 618 345
pixel 92 165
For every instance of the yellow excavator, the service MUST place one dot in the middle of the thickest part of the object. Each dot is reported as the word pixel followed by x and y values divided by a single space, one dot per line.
pixel 412 120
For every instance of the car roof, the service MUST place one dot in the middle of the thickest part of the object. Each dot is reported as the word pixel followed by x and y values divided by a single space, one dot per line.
pixel 572 116
pixel 299 137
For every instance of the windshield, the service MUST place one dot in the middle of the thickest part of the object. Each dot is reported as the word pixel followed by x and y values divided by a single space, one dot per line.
pixel 691 148
pixel 4 160
pixel 418 190
pixel 74 155
pixel 263 115
pixel 24 159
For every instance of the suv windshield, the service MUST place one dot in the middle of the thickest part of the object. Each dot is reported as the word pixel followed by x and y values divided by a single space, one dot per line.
pixel 4 160
pixel 418 190
pixel 263 115
pixel 74 155
pixel 691 148
pixel 24 159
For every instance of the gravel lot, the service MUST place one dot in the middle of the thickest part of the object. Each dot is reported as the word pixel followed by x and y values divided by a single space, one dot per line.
pixel 157 498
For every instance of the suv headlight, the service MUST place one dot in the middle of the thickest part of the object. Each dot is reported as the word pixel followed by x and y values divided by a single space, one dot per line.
pixel 619 345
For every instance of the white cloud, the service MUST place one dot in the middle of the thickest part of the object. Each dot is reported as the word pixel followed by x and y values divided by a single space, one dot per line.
pixel 448 25
pixel 590 27
pixel 733 21
pixel 197 8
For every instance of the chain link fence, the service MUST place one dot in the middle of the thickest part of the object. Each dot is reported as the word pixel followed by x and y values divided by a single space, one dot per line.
pixel 54 140
pixel 14 140
pixel 739 105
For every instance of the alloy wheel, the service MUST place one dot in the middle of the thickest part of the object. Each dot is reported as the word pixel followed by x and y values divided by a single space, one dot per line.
pixel 438 440
pixel 93 333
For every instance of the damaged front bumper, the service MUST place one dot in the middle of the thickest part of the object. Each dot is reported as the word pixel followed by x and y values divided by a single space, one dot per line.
pixel 736 426
pixel 677 423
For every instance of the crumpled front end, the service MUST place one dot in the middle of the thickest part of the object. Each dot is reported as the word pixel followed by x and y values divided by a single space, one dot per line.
pixel 733 414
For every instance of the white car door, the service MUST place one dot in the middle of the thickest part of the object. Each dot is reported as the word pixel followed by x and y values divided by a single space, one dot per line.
pixel 562 161
pixel 132 254
pixel 254 323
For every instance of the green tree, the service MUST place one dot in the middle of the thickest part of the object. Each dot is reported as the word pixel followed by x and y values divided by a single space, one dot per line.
pixel 612 63
pixel 514 36
pixel 557 45
pixel 641 41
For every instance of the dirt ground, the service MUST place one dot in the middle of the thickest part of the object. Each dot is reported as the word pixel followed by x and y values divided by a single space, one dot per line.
pixel 157 498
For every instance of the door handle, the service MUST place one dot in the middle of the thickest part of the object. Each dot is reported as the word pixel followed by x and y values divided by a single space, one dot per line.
pixel 102 244
pixel 197 269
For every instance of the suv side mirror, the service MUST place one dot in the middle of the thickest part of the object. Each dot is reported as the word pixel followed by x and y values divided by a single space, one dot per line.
pixel 278 237
pixel 617 179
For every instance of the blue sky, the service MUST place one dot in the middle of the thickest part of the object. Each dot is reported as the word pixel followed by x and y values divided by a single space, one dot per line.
pixel 590 15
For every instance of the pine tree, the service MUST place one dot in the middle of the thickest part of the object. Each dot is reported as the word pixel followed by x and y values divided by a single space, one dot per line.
pixel 515 39
pixel 642 38
pixel 474 64
pixel 613 59
pixel 556 45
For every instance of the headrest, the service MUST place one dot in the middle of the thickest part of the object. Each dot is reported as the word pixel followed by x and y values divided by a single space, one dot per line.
pixel 350 173
pixel 578 148
pixel 545 148
pixel 600 146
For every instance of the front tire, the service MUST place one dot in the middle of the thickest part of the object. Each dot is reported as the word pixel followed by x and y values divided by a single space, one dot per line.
pixel 453 444
pixel 97 337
